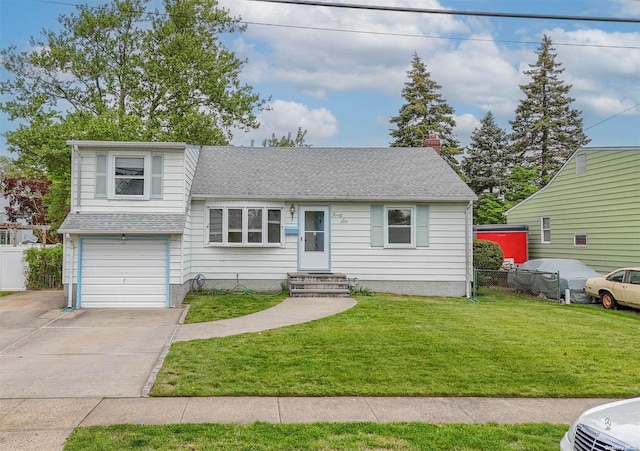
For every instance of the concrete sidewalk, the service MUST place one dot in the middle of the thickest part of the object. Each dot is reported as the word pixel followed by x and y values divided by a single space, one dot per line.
pixel 44 424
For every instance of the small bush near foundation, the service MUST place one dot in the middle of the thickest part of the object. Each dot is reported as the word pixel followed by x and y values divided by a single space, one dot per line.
pixel 487 255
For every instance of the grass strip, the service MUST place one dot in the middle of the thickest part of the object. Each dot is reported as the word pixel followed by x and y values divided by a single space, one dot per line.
pixel 319 436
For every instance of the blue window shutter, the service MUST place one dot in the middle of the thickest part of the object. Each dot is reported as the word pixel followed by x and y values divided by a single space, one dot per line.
pixel 156 175
pixel 422 225
pixel 377 224
pixel 101 175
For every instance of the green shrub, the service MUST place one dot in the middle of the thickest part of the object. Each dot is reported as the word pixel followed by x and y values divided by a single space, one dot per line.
pixel 487 255
pixel 44 267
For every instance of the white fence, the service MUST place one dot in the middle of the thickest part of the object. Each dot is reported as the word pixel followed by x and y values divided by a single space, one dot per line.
pixel 12 268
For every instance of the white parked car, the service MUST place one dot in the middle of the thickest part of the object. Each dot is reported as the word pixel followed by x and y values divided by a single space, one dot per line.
pixel 612 427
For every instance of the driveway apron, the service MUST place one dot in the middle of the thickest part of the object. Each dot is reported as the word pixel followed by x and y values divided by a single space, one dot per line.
pixel 48 353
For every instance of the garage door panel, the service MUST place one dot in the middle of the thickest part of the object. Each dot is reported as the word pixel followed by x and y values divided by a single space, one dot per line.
pixel 132 273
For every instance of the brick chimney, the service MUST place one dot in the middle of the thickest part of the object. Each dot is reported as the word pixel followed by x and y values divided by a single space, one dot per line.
pixel 433 142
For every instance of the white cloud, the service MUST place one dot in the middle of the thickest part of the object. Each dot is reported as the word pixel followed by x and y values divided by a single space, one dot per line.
pixel 465 125
pixel 284 116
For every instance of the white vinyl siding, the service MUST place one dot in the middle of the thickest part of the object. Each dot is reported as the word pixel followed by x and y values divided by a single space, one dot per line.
pixel 170 198
pixel 351 250
pixel 124 273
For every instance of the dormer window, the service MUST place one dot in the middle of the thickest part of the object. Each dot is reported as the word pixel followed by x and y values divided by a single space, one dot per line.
pixel 128 176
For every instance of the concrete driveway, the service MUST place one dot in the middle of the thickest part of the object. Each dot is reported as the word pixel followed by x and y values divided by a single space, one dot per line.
pixel 48 353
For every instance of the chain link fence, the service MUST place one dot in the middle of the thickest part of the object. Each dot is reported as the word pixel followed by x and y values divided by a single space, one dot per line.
pixel 534 283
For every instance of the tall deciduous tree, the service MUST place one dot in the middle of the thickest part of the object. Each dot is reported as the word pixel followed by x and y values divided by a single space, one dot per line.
pixel 425 112
pixel 546 129
pixel 118 71
pixel 487 162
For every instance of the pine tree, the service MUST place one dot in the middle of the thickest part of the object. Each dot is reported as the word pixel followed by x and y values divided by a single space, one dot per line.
pixel 546 130
pixel 425 113
pixel 486 163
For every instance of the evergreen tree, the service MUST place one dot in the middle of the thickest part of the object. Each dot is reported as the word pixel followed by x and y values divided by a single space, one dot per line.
pixel 546 130
pixel 425 112
pixel 486 163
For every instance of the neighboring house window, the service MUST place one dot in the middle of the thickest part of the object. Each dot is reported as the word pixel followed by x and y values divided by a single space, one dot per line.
pixel 545 229
pixel 5 237
pixel 130 176
pixel 580 240
pixel 399 226
pixel 245 226
pixel 581 163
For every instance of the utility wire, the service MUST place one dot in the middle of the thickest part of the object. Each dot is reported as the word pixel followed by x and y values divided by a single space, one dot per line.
pixel 453 12
pixel 611 117
pixel 450 38
pixel 378 33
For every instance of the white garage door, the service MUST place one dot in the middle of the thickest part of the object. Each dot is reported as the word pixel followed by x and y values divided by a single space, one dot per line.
pixel 124 273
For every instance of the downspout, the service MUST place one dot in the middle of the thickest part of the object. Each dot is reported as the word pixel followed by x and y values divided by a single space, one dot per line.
pixel 468 216
pixel 70 280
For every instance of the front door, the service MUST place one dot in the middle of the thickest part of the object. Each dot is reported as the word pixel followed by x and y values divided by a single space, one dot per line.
pixel 313 246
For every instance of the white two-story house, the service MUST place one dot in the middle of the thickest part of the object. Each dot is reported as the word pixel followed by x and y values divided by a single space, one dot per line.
pixel 148 218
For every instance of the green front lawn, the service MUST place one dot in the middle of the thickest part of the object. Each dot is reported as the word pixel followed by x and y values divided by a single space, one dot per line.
pixel 228 305
pixel 6 293
pixel 417 346
pixel 319 436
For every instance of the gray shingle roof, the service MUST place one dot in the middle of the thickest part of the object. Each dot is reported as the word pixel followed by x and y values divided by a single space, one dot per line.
pixel 89 223
pixel 313 173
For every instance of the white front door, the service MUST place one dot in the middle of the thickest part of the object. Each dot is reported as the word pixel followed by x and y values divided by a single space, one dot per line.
pixel 313 246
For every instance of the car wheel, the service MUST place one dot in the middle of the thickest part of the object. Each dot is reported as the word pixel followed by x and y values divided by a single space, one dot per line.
pixel 608 301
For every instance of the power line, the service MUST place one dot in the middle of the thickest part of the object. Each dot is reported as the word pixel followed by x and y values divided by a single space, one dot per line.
pixel 379 33
pixel 450 38
pixel 453 12
pixel 611 117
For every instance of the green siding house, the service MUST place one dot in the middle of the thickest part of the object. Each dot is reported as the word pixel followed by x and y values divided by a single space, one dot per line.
pixel 590 210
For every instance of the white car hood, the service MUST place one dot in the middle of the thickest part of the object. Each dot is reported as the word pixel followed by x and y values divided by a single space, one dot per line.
pixel 620 420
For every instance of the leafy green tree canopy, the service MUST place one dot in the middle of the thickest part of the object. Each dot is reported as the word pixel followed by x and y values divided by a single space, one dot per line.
pixel 121 72
pixel 425 112
pixel 546 129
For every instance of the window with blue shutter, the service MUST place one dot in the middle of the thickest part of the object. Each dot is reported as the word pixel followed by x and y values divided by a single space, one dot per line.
pixel 377 224
pixel 422 225
pixel 156 175
pixel 101 175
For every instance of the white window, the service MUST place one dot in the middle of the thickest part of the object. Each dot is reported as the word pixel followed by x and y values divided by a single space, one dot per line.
pixel 245 226
pixel 580 240
pixel 129 175
pixel 545 229
pixel 399 227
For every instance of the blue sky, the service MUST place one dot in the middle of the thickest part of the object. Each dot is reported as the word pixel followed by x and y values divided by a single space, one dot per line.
pixel 342 87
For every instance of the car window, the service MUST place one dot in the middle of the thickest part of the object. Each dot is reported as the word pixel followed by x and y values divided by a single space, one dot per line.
pixel 634 277
pixel 616 276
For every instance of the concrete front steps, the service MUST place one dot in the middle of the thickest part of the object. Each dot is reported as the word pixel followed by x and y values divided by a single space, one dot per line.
pixel 317 284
